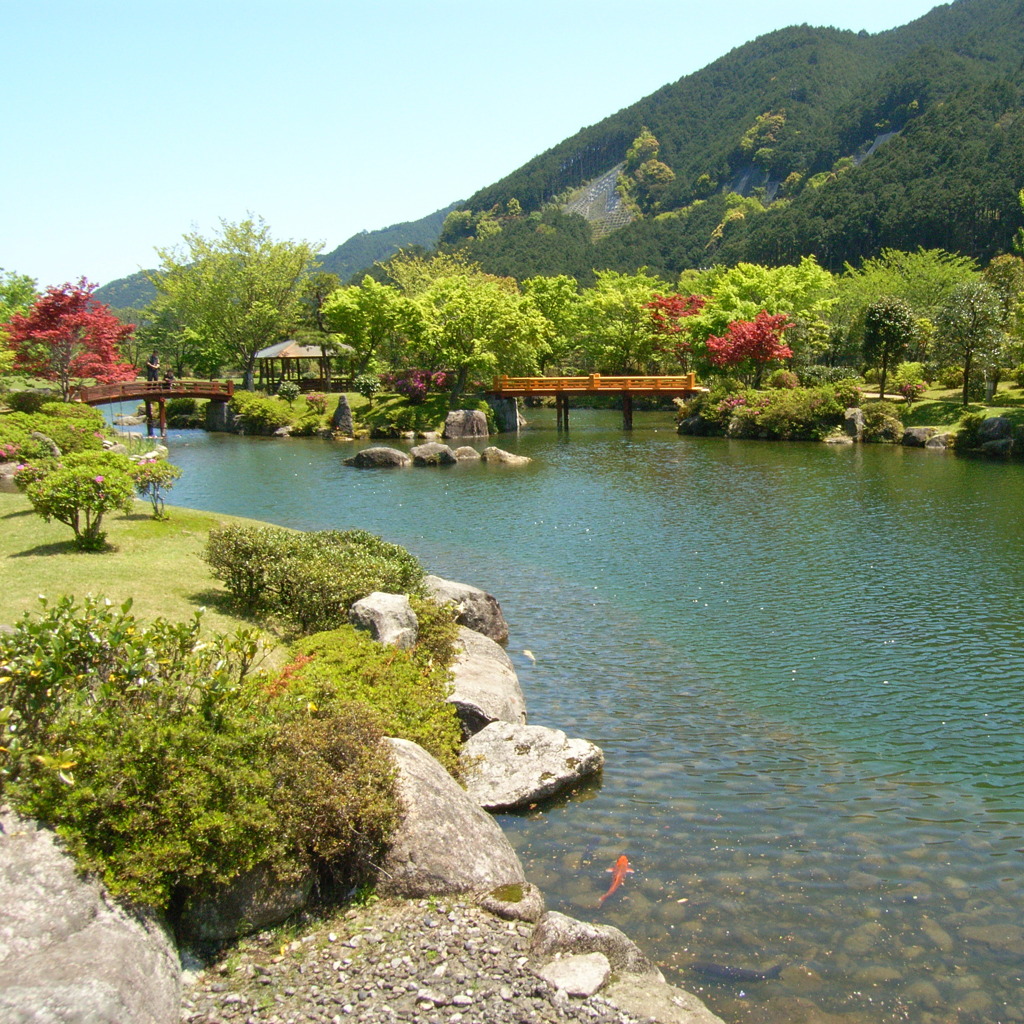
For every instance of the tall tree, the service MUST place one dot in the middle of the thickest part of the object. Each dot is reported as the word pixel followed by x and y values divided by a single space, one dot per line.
pixel 969 330
pixel 668 313
pixel 239 291
pixel 368 317
pixel 756 342
pixel 558 301
pixel 888 329
pixel 17 293
pixel 67 337
pixel 621 336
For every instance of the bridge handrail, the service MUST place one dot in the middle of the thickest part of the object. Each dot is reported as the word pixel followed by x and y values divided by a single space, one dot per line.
pixel 100 393
pixel 597 382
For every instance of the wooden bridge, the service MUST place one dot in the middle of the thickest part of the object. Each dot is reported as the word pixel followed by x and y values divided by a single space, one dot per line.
pixel 158 391
pixel 682 386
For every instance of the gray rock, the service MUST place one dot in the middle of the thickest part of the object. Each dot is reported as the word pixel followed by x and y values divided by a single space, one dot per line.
pixel 466 423
pixel 643 997
pixel 477 609
pixel 853 422
pixel 220 417
pixel 580 975
pixel 994 428
pixel 556 933
pixel 502 457
pixel 444 842
pixel 838 439
pixel 466 453
pixel 695 426
pixel 507 416
pixel 388 617
pixel 514 902
pixel 378 457
pixel 485 687
pixel 68 953
pixel 917 437
pixel 256 899
pixel 341 418
pixel 433 453
pixel 940 441
pixel 1000 447
pixel 506 765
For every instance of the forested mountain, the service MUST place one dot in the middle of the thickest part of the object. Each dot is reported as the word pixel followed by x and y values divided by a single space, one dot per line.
pixel 803 141
pixel 366 248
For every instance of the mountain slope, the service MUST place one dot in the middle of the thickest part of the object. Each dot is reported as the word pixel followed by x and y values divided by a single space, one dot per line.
pixel 866 140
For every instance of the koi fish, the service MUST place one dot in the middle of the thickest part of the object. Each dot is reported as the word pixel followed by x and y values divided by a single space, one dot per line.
pixel 619 873
pixel 722 972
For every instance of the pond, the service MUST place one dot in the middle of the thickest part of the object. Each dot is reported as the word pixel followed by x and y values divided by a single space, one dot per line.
pixel 803 664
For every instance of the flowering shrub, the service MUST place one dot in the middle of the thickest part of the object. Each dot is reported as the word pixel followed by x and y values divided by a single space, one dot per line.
pixel 911 390
pixel 317 402
pixel 81 491
pixel 288 390
pixel 783 379
pixel 417 384
pixel 8 451
pixel 152 477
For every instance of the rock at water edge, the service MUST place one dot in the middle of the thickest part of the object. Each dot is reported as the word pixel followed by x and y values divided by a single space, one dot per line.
pixel 485 685
pixel 477 610
pixel 388 618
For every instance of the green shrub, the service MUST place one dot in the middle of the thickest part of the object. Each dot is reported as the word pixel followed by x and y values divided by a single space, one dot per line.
pixel 816 373
pixel 801 414
pixel 152 477
pixel 311 579
pixel 781 379
pixel 908 373
pixel 317 402
pixel 407 689
pixel 258 412
pixel 1018 376
pixel 168 768
pixel 966 437
pixel 882 422
pixel 288 390
pixel 307 426
pixel 68 433
pixel 28 401
pixel 950 377
pixel 81 491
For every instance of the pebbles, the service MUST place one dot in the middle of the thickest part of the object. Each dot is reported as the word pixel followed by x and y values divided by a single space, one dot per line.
pixel 421 961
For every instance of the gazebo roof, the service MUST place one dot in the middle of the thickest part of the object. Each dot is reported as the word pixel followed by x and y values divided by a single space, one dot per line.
pixel 290 350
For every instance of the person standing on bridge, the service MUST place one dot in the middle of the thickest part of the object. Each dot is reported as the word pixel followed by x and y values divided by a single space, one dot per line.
pixel 153 367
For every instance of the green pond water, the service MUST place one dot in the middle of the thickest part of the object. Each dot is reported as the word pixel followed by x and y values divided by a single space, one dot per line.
pixel 803 663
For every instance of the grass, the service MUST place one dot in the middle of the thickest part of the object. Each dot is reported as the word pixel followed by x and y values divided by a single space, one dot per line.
pixel 156 563
pixel 942 408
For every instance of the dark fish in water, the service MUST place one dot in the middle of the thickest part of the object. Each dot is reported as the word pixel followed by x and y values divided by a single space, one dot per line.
pixel 722 972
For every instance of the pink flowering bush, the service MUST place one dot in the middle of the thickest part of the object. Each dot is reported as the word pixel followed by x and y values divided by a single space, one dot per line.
pixel 81 491
pixel 152 477
pixel 416 384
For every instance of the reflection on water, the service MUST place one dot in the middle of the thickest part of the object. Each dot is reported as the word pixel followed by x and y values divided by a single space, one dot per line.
pixel 803 664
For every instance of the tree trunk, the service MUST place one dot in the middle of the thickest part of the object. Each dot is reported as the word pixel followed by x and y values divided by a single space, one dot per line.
pixel 967 379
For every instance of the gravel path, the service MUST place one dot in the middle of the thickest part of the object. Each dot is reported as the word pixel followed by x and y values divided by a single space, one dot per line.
pixel 421 961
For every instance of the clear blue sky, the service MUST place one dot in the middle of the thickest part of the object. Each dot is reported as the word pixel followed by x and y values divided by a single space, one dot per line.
pixel 130 123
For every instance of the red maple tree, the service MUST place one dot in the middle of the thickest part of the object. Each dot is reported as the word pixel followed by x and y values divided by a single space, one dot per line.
pixel 68 337
pixel 758 341
pixel 667 314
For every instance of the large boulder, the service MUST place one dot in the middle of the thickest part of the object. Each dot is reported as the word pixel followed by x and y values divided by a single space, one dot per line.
pixel 341 419
pixel 918 437
pixel 646 998
pixel 501 457
pixel 389 618
pixel 853 422
pixel 254 900
pixel 485 687
pixel 378 457
pixel 559 935
pixel 433 453
pixel 476 608
pixel 68 953
pixel 507 417
pixel 506 765
pixel 994 428
pixel 467 453
pixel 444 842
pixel 940 442
pixel 466 423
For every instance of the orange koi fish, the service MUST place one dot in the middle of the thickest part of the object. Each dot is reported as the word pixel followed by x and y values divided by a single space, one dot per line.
pixel 619 873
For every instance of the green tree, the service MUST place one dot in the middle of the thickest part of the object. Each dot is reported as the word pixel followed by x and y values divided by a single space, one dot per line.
pixel 620 336
pixel 1005 275
pixel 369 317
pixel 969 330
pixel 239 291
pixel 476 326
pixel 558 301
pixel 17 293
pixel 888 329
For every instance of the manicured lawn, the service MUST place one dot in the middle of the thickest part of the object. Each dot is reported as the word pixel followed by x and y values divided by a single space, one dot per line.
pixel 158 564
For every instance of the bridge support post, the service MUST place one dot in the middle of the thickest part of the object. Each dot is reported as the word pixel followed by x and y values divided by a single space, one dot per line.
pixel 149 417
pixel 627 411
pixel 562 412
pixel 163 417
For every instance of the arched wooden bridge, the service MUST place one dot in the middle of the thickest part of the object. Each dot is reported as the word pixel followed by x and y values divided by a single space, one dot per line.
pixel 158 391
pixel 682 386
